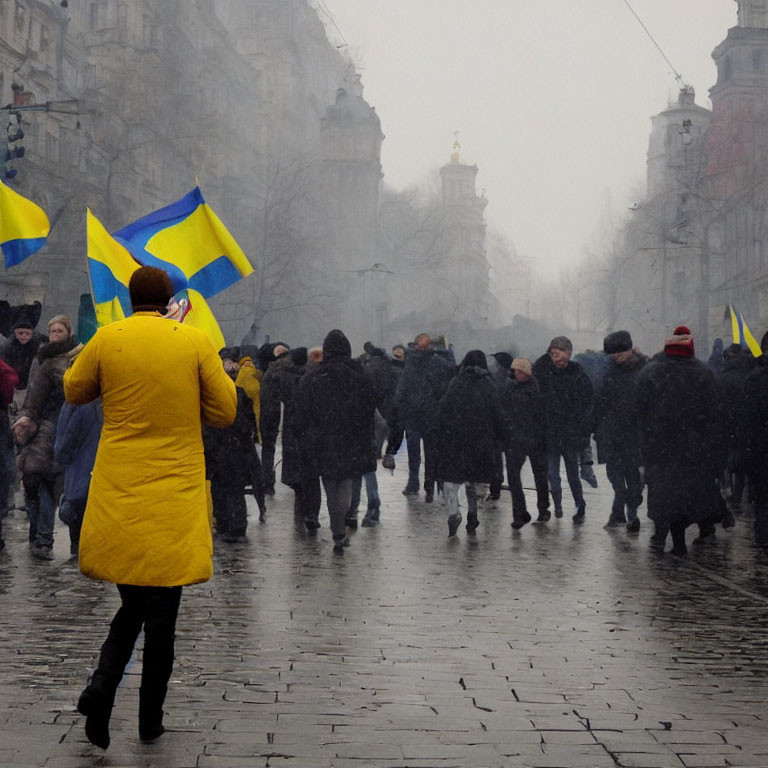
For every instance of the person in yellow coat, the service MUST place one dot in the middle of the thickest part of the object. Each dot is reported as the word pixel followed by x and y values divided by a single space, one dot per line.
pixel 249 378
pixel 146 525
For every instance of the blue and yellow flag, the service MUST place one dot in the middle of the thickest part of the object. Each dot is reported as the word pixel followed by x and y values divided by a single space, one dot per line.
pixel 110 267
pixel 24 227
pixel 188 241
pixel 742 334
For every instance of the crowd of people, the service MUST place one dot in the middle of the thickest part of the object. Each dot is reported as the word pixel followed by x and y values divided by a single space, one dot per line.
pixel 143 465
pixel 692 433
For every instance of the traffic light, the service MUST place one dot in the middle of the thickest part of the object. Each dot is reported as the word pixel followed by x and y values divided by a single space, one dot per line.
pixel 13 149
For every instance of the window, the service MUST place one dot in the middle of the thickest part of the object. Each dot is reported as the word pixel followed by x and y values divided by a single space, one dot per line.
pixel 21 19
pixel 45 39
pixel 758 61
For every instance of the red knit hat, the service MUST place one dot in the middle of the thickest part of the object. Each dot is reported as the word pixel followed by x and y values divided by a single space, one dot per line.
pixel 680 344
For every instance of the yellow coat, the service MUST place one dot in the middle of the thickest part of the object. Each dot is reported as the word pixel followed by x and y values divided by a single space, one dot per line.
pixel 146 522
pixel 249 378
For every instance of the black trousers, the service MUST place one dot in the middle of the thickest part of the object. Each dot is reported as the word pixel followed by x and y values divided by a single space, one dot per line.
pixel 155 610
pixel 515 461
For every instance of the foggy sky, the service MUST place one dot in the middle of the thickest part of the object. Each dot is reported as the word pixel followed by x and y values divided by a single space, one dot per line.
pixel 552 98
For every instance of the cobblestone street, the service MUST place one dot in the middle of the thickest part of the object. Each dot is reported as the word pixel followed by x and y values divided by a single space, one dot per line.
pixel 556 646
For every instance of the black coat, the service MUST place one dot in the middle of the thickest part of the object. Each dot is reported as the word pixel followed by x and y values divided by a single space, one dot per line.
pixel 230 453
pixel 615 418
pixel 279 386
pixel 523 406
pixel 383 377
pixel 335 406
pixel 755 425
pixel 424 381
pixel 733 378
pixel 21 356
pixel 679 412
pixel 469 428
pixel 567 403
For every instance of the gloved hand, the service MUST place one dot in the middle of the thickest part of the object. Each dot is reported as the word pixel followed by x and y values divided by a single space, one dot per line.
pixel 388 462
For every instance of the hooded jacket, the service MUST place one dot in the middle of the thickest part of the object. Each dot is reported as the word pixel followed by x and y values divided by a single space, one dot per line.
pixel 469 426
pixel 335 407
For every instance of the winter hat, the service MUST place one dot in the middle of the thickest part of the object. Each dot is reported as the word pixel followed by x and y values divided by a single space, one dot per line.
pixel 230 353
pixel 475 358
pixel 26 315
pixel 522 364
pixel 680 344
pixel 336 345
pixel 733 351
pixel 504 359
pixel 618 341
pixel 279 350
pixel 561 342
pixel 61 320
pixel 299 356
pixel 150 290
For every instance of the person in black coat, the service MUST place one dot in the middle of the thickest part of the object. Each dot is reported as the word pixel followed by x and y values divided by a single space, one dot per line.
pixel 567 395
pixel 679 410
pixel 738 364
pixel 469 427
pixel 230 463
pixel 335 407
pixel 523 406
pixel 423 382
pixel 279 388
pixel 755 430
pixel 616 429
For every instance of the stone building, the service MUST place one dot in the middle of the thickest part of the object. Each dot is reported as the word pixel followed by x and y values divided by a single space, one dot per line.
pixel 124 104
pixel 699 238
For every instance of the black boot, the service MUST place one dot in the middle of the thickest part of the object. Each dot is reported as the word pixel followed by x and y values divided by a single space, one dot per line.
pixel 678 539
pixel 151 713
pixel 96 704
pixel 472 522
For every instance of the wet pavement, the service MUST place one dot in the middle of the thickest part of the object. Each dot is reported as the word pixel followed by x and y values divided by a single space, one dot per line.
pixel 556 646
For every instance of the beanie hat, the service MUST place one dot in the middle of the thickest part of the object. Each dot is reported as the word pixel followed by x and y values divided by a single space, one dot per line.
pixel 680 344
pixel 299 356
pixel 230 353
pixel 336 345
pixel 561 342
pixel 522 364
pixel 61 320
pixel 618 341
pixel 150 289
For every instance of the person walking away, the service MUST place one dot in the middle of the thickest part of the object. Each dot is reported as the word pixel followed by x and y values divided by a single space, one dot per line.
pixel 679 412
pixel 500 373
pixel 335 407
pixel 231 462
pixel 616 429
pixel 422 383
pixel 269 417
pixel 567 394
pixel 470 427
pixel 523 406
pixel 35 429
pixel 755 430
pixel 78 431
pixel 146 526
pixel 737 366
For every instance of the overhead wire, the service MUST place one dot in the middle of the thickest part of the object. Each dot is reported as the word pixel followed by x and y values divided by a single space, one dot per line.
pixel 678 76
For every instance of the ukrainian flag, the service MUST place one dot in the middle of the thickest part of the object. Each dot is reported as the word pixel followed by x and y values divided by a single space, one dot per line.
pixel 24 227
pixel 742 334
pixel 110 267
pixel 188 241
